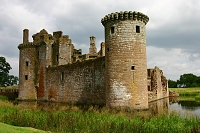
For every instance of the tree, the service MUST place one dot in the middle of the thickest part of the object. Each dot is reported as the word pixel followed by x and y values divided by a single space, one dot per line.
pixel 188 80
pixel 172 84
pixel 5 78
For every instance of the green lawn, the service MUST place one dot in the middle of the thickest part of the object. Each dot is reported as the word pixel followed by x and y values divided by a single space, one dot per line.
pixel 187 91
pixel 5 128
pixel 195 89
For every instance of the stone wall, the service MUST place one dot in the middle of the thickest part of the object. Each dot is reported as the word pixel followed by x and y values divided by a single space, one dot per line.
pixel 157 84
pixel 41 68
pixel 116 75
pixel 81 82
pixel 27 72
pixel 126 66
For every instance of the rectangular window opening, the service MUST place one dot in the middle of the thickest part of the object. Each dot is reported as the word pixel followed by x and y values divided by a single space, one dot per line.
pixel 137 29
pixel 26 77
pixel 27 63
pixel 149 88
pixel 148 71
pixel 132 67
pixel 112 29
pixel 108 49
pixel 62 76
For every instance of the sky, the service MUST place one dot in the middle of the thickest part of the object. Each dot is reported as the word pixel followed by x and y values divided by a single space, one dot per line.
pixel 172 33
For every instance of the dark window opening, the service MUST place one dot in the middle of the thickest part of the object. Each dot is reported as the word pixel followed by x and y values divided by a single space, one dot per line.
pixel 57 58
pixel 27 63
pixel 108 49
pixel 132 67
pixel 137 29
pixel 148 71
pixel 112 30
pixel 62 76
pixel 26 77
pixel 149 88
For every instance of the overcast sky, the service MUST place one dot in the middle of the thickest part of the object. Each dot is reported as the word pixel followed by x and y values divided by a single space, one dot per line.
pixel 173 31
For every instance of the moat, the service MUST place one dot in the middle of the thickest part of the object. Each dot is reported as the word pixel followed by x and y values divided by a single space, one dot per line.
pixel 186 106
pixel 183 106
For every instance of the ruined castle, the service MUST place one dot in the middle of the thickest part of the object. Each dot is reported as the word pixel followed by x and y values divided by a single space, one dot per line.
pixel 51 69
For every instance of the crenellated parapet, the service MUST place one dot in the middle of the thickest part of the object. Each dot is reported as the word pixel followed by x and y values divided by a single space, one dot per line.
pixel 26 45
pixel 125 16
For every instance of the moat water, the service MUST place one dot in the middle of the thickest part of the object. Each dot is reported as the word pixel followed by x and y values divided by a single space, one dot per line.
pixel 182 106
pixel 186 106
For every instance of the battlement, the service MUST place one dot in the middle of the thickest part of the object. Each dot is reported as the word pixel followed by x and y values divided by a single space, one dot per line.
pixel 125 16
pixel 26 45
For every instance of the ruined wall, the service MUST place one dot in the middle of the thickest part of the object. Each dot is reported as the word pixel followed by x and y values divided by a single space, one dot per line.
pixel 55 47
pixel 158 84
pixel 41 67
pixel 81 82
pixel 125 52
pixel 65 50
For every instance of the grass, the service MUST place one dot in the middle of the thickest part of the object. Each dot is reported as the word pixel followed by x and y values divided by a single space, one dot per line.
pixel 13 129
pixel 187 91
pixel 93 119
pixel 3 98
pixel 197 98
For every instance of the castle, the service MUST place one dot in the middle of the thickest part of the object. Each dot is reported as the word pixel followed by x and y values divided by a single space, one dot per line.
pixel 51 69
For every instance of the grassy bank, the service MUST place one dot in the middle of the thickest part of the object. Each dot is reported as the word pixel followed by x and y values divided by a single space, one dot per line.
pixel 187 91
pixel 73 119
pixel 5 128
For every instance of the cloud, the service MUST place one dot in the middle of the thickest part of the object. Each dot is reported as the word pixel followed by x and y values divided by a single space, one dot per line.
pixel 173 62
pixel 172 32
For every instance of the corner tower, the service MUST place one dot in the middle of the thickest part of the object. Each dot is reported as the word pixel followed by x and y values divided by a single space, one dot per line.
pixel 125 63
pixel 27 74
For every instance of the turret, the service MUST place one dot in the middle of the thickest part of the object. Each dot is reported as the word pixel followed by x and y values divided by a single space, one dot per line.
pixel 25 36
pixel 27 73
pixel 92 49
pixel 125 63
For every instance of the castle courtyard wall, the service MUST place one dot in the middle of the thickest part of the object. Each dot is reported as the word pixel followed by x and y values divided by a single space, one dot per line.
pixel 81 82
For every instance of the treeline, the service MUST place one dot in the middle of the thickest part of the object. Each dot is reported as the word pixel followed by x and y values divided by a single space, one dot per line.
pixel 5 78
pixel 185 81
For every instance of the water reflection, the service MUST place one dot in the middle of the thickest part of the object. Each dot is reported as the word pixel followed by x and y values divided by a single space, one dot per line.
pixel 186 106
pixel 189 105
pixel 163 106
pixel 159 107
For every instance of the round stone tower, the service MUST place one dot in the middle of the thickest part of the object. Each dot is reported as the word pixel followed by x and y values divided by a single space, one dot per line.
pixel 27 71
pixel 125 63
